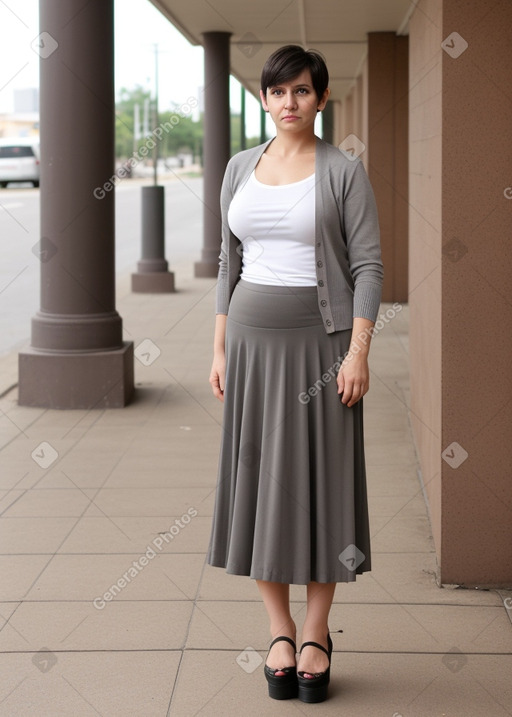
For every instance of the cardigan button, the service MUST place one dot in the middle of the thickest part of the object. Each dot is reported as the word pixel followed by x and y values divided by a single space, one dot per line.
pixel 319 264
pixel 328 322
pixel 323 302
pixel 320 283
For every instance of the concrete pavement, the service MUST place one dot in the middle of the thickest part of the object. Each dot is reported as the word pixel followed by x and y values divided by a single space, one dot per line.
pixel 107 607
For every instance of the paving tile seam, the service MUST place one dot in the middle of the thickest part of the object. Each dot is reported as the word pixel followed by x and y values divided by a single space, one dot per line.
pixel 169 552
pixel 137 554
pixel 105 515
pixel 20 430
pixel 25 490
pixel 95 487
pixel 187 635
pixel 8 619
pixel 255 602
pixel 243 647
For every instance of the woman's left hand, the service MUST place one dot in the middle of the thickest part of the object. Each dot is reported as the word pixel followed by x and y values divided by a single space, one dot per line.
pixel 353 378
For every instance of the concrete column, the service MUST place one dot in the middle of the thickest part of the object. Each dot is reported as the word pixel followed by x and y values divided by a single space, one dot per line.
pixel 152 275
pixel 388 153
pixel 460 345
pixel 336 121
pixel 349 113
pixel 243 137
pixel 342 122
pixel 77 357
pixel 263 122
pixel 328 122
pixel 358 108
pixel 216 146
pixel 364 111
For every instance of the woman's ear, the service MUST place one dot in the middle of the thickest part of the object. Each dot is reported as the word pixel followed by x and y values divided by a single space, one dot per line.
pixel 263 101
pixel 323 101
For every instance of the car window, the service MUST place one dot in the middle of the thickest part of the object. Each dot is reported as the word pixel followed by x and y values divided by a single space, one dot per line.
pixel 15 152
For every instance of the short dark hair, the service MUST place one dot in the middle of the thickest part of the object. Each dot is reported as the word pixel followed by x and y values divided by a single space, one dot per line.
pixel 288 62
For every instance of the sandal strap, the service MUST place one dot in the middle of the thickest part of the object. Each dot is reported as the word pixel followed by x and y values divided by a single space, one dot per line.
pixel 314 644
pixel 284 639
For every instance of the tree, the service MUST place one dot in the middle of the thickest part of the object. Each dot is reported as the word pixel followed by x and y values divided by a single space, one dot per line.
pixel 235 136
pixel 180 132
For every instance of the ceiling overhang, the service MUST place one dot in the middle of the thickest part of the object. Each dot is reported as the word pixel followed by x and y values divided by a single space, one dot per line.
pixel 338 28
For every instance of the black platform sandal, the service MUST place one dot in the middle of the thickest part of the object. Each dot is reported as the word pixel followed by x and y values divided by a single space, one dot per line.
pixel 314 689
pixel 282 687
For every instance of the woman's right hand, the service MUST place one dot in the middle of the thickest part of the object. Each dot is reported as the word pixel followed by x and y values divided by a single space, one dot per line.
pixel 218 376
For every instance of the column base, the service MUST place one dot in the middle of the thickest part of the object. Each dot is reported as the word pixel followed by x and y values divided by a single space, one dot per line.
pixel 153 282
pixel 96 379
pixel 206 269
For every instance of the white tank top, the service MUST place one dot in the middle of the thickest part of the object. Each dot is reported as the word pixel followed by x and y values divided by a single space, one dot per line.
pixel 276 225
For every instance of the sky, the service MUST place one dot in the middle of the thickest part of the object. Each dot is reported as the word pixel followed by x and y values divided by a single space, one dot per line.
pixel 138 26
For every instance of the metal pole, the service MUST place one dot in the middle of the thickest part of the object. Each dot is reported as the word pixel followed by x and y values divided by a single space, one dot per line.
pixel 243 138
pixel 155 119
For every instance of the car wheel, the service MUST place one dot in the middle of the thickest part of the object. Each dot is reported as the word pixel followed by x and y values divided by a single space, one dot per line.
pixel 35 183
pixel 3 185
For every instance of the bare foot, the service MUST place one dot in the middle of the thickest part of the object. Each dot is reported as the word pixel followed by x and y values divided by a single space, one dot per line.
pixel 281 655
pixel 312 660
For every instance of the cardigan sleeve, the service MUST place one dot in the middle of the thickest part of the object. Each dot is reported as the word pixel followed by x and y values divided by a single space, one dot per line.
pixel 363 243
pixel 226 195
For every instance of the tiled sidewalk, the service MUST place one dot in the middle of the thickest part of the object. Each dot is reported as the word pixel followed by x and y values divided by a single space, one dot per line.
pixel 185 639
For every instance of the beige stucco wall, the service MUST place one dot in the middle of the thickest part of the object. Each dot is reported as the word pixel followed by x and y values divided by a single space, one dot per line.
pixel 425 162
pixel 476 305
pixel 351 114
pixel 460 348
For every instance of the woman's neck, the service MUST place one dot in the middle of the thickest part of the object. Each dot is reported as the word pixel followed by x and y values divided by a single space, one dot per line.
pixel 288 145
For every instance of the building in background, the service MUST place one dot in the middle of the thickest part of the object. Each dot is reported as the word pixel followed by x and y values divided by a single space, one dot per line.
pixel 24 121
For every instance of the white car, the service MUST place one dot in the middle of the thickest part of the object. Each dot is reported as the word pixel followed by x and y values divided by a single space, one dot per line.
pixel 19 160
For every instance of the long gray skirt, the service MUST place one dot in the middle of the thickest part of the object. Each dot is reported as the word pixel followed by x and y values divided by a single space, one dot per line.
pixel 291 504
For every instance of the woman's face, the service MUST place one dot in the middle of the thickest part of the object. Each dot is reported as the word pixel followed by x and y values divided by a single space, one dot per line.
pixel 293 105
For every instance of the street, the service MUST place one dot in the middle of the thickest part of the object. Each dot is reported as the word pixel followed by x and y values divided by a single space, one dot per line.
pixel 20 233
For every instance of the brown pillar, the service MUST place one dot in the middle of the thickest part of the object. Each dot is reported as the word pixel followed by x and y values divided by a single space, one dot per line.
pixel 328 122
pixel 460 326
pixel 216 146
pixel 77 357
pixel 348 104
pixel 152 275
pixel 388 153
pixel 476 316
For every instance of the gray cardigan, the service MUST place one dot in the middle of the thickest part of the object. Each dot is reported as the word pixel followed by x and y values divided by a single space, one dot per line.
pixel 347 248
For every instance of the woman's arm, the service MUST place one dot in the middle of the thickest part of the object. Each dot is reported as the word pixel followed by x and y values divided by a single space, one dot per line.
pixel 365 263
pixel 354 374
pixel 218 372
pixel 363 242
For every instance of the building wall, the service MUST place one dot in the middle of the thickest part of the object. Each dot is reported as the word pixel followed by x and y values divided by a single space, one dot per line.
pixel 476 315
pixel 364 111
pixel 425 169
pixel 460 319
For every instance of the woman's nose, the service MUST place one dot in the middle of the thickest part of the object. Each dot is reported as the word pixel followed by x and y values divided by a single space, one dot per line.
pixel 290 100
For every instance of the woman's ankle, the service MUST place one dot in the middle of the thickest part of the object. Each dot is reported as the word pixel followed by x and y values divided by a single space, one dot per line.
pixel 315 631
pixel 285 628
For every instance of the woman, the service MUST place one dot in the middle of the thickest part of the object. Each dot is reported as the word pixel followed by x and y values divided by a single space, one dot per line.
pixel 299 290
